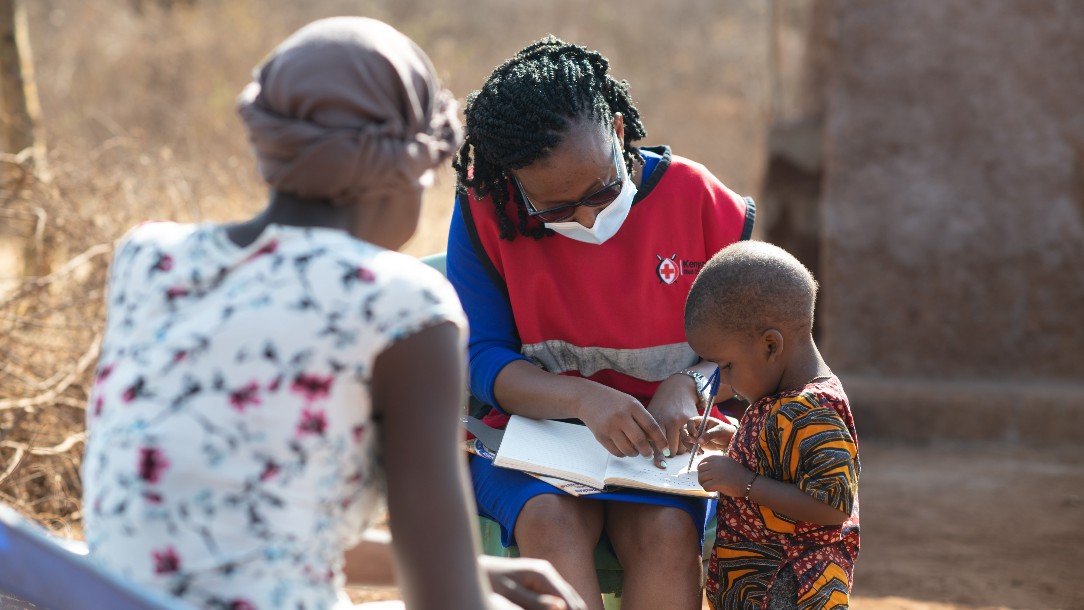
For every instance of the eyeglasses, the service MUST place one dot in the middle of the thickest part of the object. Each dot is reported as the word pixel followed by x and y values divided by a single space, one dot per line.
pixel 565 211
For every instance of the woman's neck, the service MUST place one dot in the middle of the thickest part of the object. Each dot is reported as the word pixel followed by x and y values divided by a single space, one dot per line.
pixel 288 210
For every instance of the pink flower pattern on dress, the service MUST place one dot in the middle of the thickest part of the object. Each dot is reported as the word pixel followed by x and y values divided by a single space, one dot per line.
pixel 165 263
pixel 268 248
pixel 245 396
pixel 152 463
pixel 312 387
pixel 176 292
pixel 365 275
pixel 312 422
pixel 166 561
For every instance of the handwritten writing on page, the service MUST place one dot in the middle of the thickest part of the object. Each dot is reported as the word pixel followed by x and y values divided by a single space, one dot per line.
pixel 637 471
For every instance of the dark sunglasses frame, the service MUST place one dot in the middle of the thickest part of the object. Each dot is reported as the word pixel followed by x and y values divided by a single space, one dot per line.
pixel 603 196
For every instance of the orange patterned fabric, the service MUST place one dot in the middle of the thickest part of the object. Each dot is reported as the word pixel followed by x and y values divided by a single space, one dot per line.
pixel 806 438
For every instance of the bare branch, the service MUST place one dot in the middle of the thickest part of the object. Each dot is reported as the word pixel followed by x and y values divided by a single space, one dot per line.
pixel 58 449
pixel 67 268
pixel 16 460
pixel 52 395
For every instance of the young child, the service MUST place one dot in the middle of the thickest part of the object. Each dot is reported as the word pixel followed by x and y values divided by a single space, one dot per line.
pixel 788 488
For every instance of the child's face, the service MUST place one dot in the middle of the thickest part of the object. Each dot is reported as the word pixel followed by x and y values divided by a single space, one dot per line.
pixel 749 363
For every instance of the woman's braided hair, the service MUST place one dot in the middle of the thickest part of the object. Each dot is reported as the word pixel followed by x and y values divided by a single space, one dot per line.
pixel 523 111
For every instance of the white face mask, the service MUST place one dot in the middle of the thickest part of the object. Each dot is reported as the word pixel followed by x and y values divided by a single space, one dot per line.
pixel 607 222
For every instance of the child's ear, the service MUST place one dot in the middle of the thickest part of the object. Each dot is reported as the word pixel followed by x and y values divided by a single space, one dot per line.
pixel 772 343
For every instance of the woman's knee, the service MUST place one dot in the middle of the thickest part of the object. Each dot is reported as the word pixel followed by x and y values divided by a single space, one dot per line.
pixel 663 533
pixel 551 519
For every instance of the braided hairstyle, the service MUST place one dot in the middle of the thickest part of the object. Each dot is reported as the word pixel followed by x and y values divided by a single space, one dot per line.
pixel 523 111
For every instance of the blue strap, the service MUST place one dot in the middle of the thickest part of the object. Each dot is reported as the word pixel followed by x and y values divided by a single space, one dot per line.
pixel 4 544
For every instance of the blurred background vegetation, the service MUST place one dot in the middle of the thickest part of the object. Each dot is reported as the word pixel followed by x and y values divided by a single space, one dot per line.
pixel 137 100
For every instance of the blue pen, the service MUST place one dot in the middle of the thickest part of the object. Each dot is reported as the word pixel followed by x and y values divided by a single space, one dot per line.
pixel 707 397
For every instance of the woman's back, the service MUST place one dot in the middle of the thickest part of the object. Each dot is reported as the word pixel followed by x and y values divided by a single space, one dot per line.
pixel 231 455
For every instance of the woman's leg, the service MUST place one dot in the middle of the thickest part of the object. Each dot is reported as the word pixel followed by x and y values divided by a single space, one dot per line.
pixel 659 549
pixel 564 530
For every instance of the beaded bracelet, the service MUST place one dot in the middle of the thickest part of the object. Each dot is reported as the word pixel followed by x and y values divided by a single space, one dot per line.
pixel 749 486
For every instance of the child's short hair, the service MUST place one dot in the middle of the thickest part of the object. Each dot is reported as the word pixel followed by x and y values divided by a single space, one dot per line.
pixel 751 286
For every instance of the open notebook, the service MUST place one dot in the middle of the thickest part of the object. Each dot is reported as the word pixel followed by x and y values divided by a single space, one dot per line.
pixel 570 452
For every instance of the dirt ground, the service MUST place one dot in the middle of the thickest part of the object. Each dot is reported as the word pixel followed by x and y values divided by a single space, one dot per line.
pixel 968 527
pixel 962 527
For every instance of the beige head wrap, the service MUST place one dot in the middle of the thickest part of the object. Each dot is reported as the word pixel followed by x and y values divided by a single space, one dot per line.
pixel 348 108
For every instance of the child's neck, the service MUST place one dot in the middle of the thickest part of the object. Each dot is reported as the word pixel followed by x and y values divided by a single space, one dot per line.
pixel 804 366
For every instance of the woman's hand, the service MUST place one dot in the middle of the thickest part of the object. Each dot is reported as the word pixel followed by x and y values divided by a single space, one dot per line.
pixel 674 402
pixel 532 584
pixel 620 423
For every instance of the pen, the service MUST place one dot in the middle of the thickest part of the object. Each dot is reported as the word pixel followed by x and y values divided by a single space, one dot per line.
pixel 707 396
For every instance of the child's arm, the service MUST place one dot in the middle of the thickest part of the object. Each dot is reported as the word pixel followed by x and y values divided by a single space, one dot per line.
pixel 724 475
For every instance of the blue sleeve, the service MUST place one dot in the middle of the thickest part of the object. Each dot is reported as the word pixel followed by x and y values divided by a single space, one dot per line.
pixel 494 341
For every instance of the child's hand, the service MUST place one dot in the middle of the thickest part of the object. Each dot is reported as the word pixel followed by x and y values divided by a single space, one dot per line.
pixel 716 437
pixel 724 475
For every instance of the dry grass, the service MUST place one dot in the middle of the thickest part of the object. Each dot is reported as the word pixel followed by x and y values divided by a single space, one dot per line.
pixel 139 121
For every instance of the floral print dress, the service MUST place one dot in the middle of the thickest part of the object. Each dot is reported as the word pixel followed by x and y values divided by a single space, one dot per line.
pixel 232 455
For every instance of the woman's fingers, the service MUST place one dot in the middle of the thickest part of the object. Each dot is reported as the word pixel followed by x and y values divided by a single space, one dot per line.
pixel 612 446
pixel 637 443
pixel 650 430
pixel 673 438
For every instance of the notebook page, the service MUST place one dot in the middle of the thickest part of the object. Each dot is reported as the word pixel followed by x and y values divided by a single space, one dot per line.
pixel 641 472
pixel 552 448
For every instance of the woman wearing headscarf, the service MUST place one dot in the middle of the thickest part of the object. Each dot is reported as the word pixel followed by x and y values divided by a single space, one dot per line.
pixel 264 384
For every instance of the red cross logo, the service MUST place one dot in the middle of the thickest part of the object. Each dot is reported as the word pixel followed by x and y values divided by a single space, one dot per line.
pixel 668 270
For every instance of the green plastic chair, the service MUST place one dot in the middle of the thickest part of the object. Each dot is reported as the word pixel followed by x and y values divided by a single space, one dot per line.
pixel 607 566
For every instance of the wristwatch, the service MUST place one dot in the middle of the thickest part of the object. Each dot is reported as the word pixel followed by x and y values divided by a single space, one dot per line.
pixel 698 378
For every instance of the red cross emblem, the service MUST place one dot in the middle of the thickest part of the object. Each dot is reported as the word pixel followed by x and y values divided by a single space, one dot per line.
pixel 668 270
